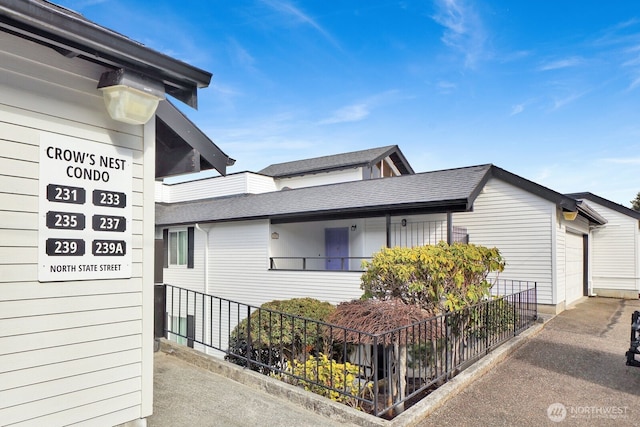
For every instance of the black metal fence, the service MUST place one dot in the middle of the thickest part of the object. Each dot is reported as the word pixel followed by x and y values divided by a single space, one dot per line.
pixel 317 263
pixel 380 374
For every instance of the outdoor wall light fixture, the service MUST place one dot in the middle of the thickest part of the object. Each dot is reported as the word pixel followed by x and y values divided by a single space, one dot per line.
pixel 275 236
pixel 130 97
pixel 354 227
pixel 404 222
pixel 570 216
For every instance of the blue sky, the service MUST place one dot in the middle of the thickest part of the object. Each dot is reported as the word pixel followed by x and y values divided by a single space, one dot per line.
pixel 547 89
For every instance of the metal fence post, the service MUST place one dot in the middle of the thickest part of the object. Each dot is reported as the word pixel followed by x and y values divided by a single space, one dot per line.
pixel 160 311
pixel 249 342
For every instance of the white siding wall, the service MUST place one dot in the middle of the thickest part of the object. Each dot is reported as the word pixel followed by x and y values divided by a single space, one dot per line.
pixel 375 237
pixel 180 275
pixel 69 351
pixel 519 224
pixel 239 260
pixel 241 183
pixel 259 183
pixel 323 178
pixel 308 240
pixel 615 248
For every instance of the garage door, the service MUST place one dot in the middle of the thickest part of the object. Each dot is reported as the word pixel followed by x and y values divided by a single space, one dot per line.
pixel 574 253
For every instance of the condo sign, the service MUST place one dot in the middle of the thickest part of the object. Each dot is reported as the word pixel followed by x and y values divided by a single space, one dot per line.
pixel 85 214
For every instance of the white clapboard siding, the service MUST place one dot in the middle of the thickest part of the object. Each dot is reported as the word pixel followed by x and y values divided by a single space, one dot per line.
pixel 70 352
pixel 322 178
pixel 19 220
pixel 55 355
pixel 188 278
pixel 615 248
pixel 42 306
pixel 43 408
pixel 260 184
pixel 519 224
pixel 218 186
pixel 50 338
pixel 41 391
pixel 19 202
pixel 12 380
pixel 75 319
pixel 105 409
pixel 16 291
pixel 240 270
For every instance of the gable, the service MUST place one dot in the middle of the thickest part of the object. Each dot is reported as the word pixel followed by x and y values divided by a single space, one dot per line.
pixel 367 159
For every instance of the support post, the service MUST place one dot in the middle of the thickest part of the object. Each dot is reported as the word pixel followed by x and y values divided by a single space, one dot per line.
pixel 388 228
pixel 449 228
pixel 160 311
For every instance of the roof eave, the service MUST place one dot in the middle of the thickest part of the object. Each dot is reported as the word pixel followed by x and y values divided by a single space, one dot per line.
pixel 399 161
pixel 606 203
pixel 74 36
pixel 560 200
pixel 194 137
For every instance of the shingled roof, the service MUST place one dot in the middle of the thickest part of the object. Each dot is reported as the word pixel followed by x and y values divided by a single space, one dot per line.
pixel 362 158
pixel 440 191
pixel 451 190
pixel 607 203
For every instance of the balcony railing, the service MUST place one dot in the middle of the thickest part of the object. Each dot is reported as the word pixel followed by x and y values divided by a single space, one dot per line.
pixel 317 263
pixel 377 373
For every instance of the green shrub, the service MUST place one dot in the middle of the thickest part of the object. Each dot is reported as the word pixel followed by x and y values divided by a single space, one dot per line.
pixel 279 332
pixel 331 376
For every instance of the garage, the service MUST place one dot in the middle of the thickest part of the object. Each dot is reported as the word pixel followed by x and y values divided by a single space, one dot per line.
pixel 574 258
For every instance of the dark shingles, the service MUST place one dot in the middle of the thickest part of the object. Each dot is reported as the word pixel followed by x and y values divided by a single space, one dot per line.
pixel 326 163
pixel 439 190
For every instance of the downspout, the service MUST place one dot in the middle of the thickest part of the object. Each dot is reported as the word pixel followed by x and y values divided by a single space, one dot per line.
pixel 555 224
pixel 449 228
pixel 206 258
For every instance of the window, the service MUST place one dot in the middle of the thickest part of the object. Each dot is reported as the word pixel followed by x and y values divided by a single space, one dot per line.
pixel 178 247
pixel 183 329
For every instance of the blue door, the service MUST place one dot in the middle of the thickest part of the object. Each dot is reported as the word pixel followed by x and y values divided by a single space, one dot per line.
pixel 337 248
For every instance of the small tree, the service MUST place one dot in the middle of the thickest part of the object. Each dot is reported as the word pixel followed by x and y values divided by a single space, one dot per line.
pixel 635 203
pixel 440 277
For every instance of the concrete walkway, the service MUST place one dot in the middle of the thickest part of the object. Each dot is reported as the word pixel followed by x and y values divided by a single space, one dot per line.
pixel 570 372
pixel 575 365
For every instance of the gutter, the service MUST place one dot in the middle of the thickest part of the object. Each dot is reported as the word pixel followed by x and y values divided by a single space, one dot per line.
pixel 72 35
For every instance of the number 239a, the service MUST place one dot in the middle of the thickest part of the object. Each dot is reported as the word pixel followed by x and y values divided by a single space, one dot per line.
pixel 109 248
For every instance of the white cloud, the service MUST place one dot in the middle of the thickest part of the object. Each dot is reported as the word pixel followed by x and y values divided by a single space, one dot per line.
pixel 517 109
pixel 464 31
pixel 360 110
pixel 240 55
pixel 558 64
pixel 349 113
pixel 289 10
pixel 634 83
pixel 624 160
pixel 561 102
pixel 446 86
